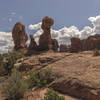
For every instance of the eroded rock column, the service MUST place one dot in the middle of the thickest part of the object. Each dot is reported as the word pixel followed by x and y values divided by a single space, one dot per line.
pixel 45 41
pixel 19 36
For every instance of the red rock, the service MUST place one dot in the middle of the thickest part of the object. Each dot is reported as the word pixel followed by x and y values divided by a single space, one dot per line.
pixel 45 41
pixel 63 48
pixel 32 46
pixel 19 36
pixel 94 42
pixel 91 43
pixel 47 22
pixel 55 45
pixel 75 45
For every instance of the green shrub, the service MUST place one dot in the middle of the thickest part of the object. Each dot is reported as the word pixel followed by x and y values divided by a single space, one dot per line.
pixel 96 52
pixel 10 63
pixel 41 78
pixel 52 95
pixel 8 60
pixel 2 68
pixel 3 71
pixel 15 87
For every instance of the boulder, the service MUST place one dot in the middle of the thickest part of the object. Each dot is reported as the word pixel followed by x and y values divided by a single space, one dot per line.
pixel 19 36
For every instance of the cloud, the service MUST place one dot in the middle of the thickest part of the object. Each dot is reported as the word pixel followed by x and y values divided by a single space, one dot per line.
pixel 10 19
pixel 96 22
pixel 64 35
pixel 37 35
pixel 35 26
pixel 13 13
pixel 6 42
pixel 86 32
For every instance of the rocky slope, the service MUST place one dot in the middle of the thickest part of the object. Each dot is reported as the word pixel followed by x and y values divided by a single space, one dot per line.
pixel 40 93
pixel 79 73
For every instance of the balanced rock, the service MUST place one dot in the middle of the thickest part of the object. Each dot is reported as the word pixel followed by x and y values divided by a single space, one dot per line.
pixel 45 41
pixel 19 36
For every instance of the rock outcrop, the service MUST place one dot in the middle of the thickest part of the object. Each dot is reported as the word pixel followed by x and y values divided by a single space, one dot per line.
pixel 32 46
pixel 55 45
pixel 75 45
pixel 64 48
pixel 45 41
pixel 91 43
pixel 78 74
pixel 40 93
pixel 37 62
pixel 19 36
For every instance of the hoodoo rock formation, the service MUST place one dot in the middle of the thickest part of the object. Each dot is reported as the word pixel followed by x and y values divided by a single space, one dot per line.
pixel 19 36
pixel 32 46
pixel 91 43
pixel 55 45
pixel 75 45
pixel 45 41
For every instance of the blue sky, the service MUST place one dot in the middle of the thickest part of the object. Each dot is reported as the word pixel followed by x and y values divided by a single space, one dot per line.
pixel 64 12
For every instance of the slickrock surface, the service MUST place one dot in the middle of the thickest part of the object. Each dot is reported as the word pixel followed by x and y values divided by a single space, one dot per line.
pixel 80 76
pixel 37 62
pixel 40 93
pixel 79 73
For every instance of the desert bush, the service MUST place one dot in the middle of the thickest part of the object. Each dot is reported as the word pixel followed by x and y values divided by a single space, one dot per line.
pixel 8 60
pixel 15 87
pixel 96 52
pixel 52 95
pixel 2 69
pixel 1 57
pixel 10 63
pixel 41 78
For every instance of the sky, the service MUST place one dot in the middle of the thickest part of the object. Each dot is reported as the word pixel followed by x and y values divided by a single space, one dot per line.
pixel 64 12
pixel 73 18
